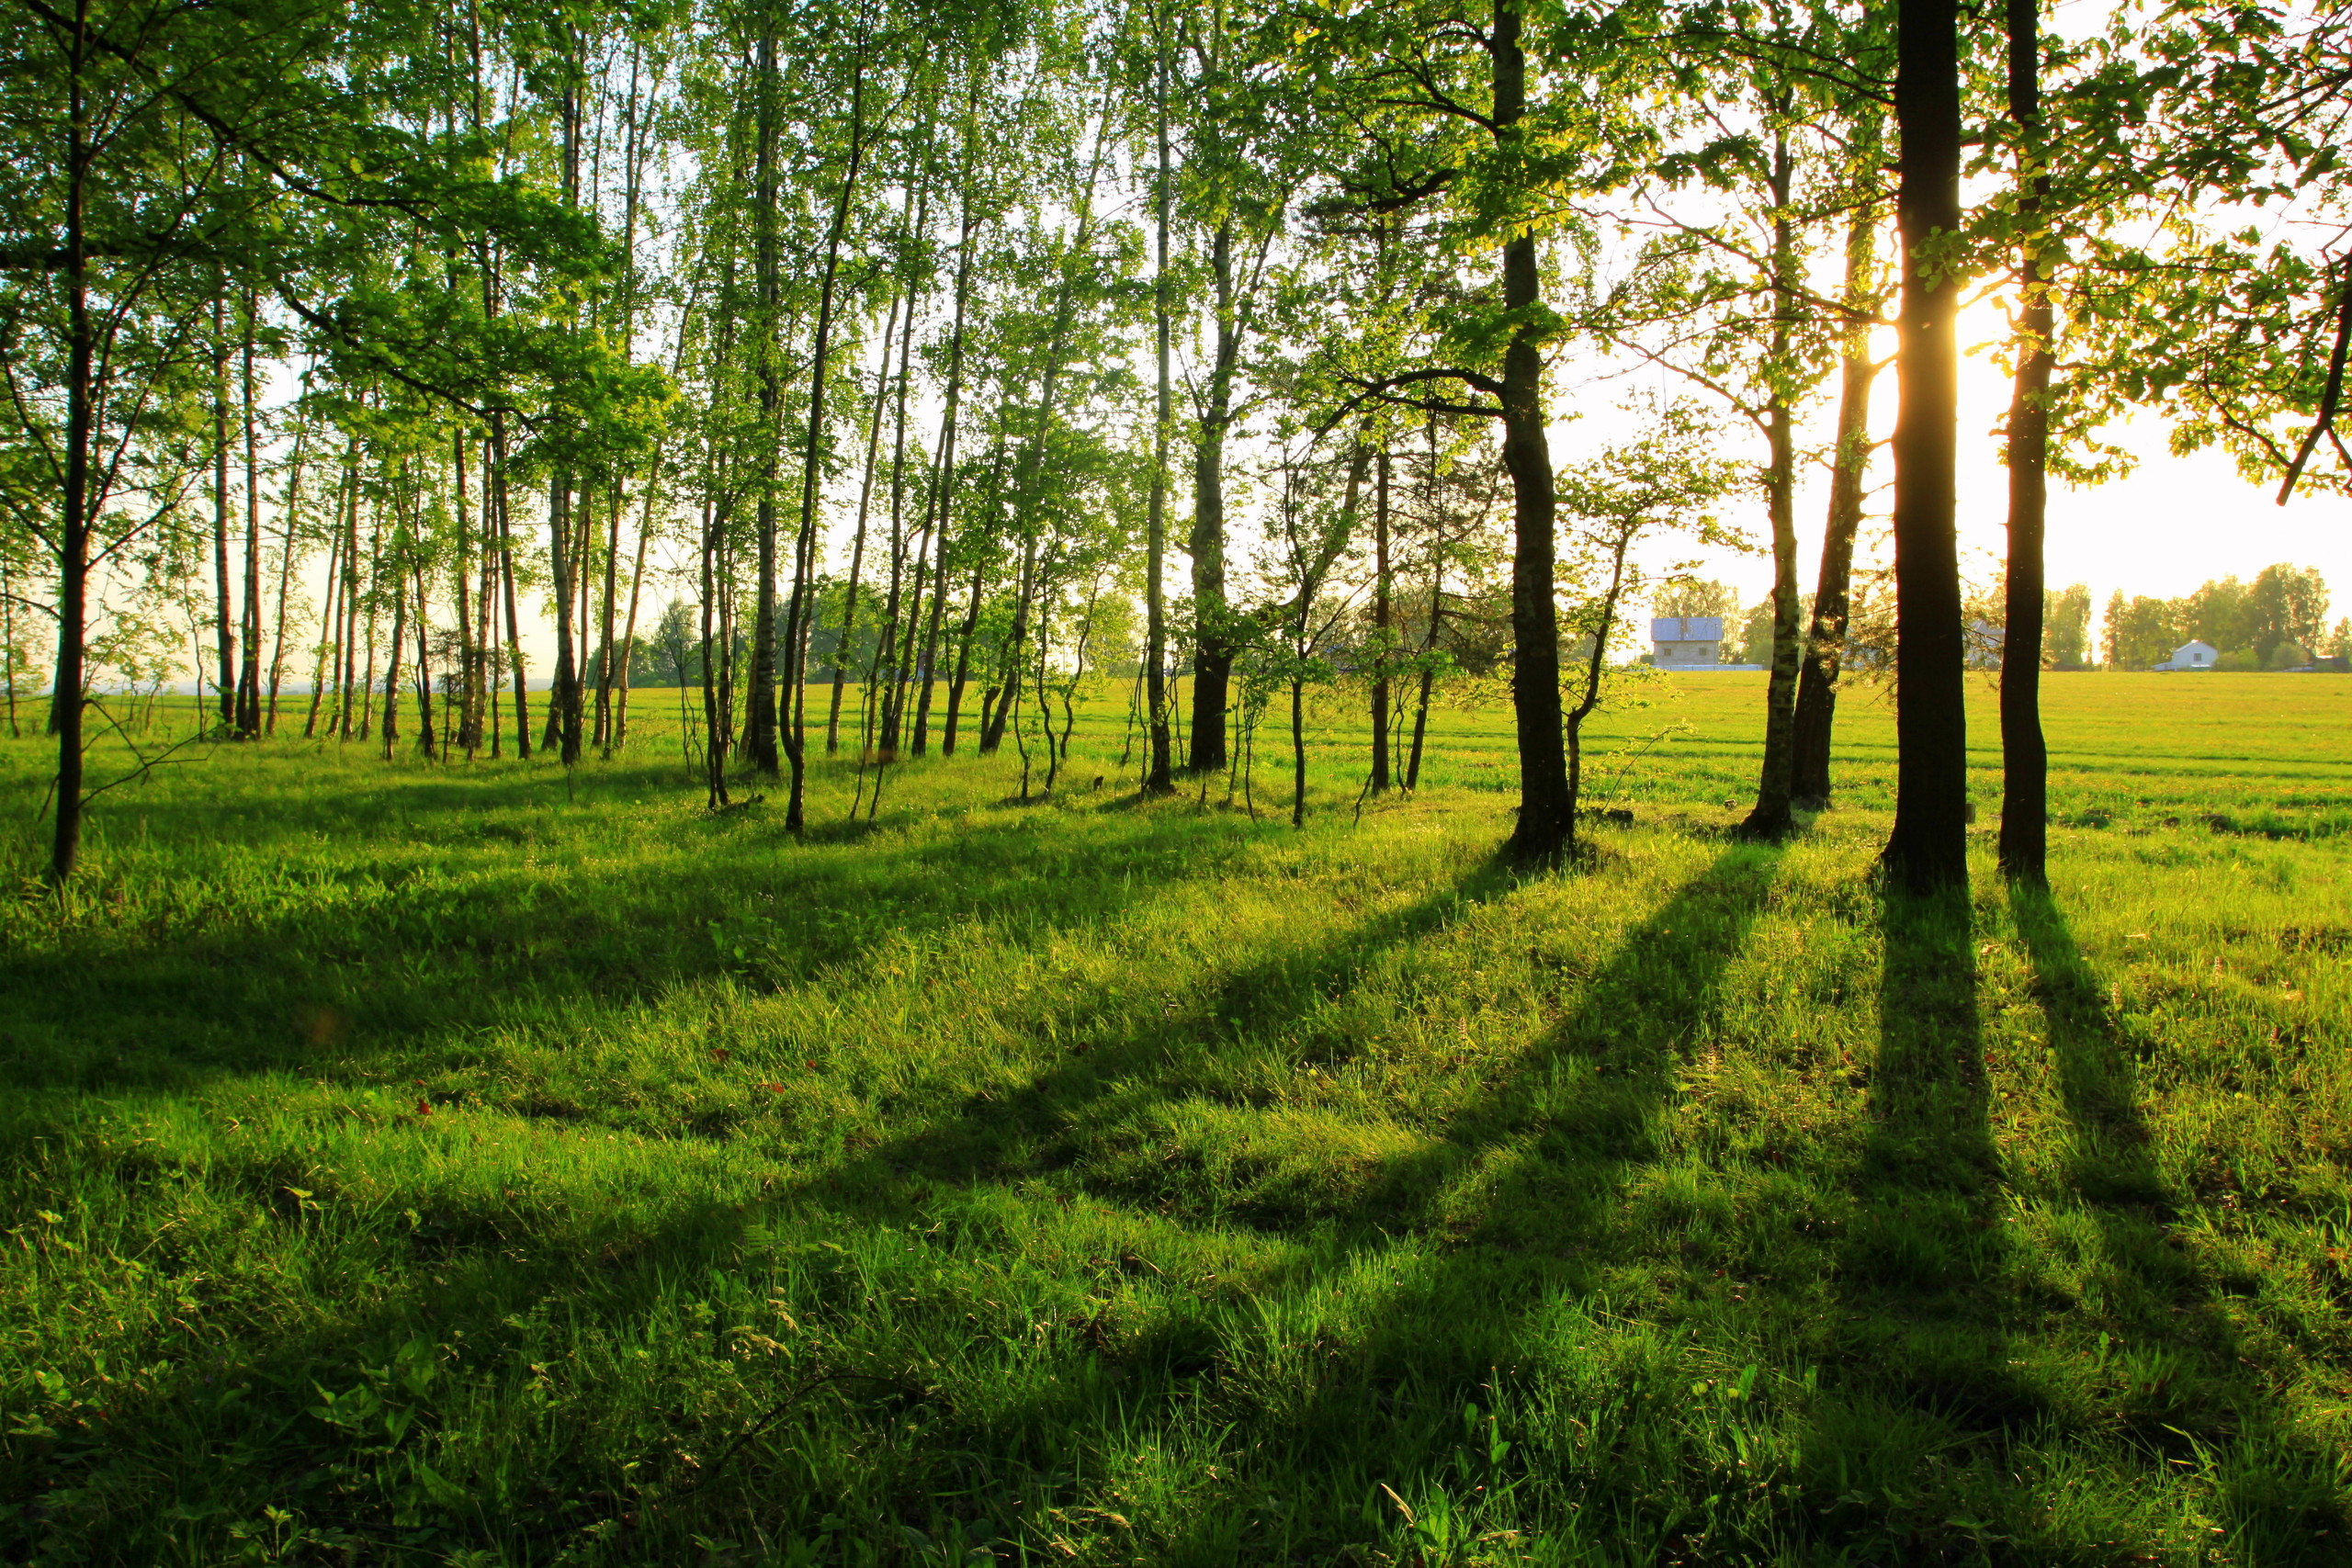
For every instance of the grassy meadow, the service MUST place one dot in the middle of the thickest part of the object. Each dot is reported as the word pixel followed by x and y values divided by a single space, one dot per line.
pixel 475 1164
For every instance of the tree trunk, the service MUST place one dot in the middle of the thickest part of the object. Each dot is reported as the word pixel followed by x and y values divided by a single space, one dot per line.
pixel 1213 640
pixel 1832 598
pixel 610 611
pixel 249 674
pixel 424 734
pixel 506 584
pixel 331 612
pixel 74 531
pixel 759 714
pixel 1429 676
pixel 390 732
pixel 225 610
pixel 562 720
pixel 857 541
pixel 2025 757
pixel 1158 777
pixel 1770 820
pixel 628 629
pixel 1381 620
pixel 1546 815
pixel 288 524
pixel 1927 850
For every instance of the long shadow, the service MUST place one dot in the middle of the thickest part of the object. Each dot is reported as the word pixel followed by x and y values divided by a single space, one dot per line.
pixel 1520 1204
pixel 1917 1396
pixel 180 999
pixel 613 1277
pixel 1517 1189
pixel 2189 1388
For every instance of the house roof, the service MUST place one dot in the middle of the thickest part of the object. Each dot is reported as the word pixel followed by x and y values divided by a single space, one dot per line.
pixel 2186 649
pixel 1687 628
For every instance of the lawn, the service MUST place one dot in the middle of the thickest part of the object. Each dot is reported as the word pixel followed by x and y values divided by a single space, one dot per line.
pixel 483 1165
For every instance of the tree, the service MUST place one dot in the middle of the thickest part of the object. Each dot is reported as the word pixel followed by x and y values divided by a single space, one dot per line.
pixel 2067 622
pixel 1927 850
pixel 1666 481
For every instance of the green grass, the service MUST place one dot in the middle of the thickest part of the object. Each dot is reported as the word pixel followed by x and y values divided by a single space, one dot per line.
pixel 473 1165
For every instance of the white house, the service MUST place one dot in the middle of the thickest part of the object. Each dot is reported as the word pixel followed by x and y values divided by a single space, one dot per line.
pixel 1687 642
pixel 2191 655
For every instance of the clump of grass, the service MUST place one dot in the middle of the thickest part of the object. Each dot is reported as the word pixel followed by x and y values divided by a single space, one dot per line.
pixel 447 1164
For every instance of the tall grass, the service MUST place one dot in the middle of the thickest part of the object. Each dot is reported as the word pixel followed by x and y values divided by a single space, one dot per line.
pixel 483 1165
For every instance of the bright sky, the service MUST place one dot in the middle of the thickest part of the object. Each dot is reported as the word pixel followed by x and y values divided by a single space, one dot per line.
pixel 2173 523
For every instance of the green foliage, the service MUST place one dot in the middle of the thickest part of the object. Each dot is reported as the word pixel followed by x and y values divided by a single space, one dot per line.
pixel 2285 606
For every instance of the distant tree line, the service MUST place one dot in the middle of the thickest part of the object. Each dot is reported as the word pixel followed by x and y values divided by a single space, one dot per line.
pixel 2277 622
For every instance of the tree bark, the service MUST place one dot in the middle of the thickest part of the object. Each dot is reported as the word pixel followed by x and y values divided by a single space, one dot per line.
pixel 1213 640
pixel 1770 820
pixel 759 714
pixel 1382 620
pixel 857 542
pixel 249 672
pixel 1927 850
pixel 804 569
pixel 290 524
pixel 499 494
pixel 2025 756
pixel 1546 813
pixel 1833 592
pixel 1158 776
pixel 74 531
pixel 225 610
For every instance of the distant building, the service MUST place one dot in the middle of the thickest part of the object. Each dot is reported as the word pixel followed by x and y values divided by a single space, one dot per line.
pixel 1982 645
pixel 1687 642
pixel 2191 655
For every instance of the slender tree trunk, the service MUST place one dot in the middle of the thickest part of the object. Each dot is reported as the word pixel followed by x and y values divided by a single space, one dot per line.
pixel 1770 820
pixel 499 495
pixel 963 660
pixel 485 669
pixel 944 478
pixel 424 734
pixel 1158 777
pixel 290 525
pixel 74 529
pixel 391 733
pixel 1212 635
pixel 1832 599
pixel 1547 814
pixel 607 676
pixel 348 695
pixel 1008 656
pixel 805 552
pixel 249 718
pixel 1927 850
pixel 857 541
pixel 629 630
pixel 2025 757
pixel 1429 676
pixel 1381 622
pixel 563 730
pixel 225 611
pixel 760 715
pixel 467 716
pixel 331 613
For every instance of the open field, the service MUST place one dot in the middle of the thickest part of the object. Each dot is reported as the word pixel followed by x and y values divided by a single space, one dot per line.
pixel 473 1165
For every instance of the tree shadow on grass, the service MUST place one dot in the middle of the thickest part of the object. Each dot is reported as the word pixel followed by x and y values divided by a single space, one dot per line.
pixel 495 1275
pixel 1351 1369
pixel 2189 1388
pixel 329 984
pixel 1919 1396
